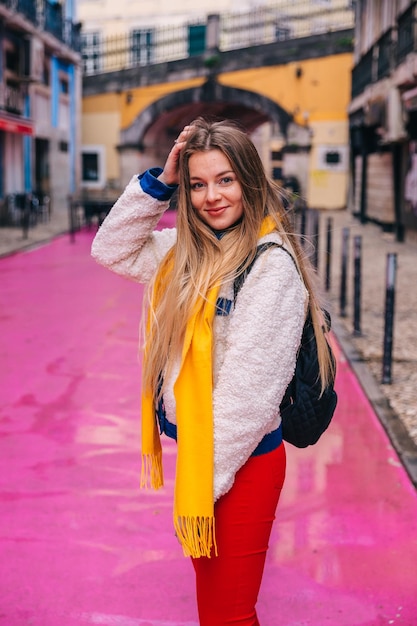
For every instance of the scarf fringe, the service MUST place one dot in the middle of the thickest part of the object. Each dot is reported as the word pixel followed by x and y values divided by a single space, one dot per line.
pixel 152 474
pixel 196 535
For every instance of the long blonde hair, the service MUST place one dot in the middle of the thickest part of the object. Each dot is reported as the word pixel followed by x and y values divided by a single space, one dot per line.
pixel 199 260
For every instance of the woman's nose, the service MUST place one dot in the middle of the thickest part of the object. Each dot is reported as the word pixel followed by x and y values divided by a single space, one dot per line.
pixel 212 192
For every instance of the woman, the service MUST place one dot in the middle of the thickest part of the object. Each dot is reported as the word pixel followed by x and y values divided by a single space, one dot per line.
pixel 216 363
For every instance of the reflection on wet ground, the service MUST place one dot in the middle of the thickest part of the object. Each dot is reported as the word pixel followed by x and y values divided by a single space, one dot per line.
pixel 80 543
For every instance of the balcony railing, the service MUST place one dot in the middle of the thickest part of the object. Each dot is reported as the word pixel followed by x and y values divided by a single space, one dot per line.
pixel 387 53
pixel 263 25
pixel 406 37
pixel 362 73
pixel 385 58
pixel 27 8
pixel 49 17
pixel 12 99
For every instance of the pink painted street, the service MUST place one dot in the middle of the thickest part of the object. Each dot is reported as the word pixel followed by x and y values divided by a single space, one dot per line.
pixel 82 544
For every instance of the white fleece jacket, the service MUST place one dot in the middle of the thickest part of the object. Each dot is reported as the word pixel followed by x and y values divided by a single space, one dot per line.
pixel 255 346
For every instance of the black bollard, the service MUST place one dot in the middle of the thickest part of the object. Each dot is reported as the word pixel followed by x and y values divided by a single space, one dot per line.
pixel 303 223
pixel 343 277
pixel 357 278
pixel 389 318
pixel 25 215
pixel 315 237
pixel 328 251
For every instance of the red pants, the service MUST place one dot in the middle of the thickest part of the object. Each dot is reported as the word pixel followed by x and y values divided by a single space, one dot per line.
pixel 228 585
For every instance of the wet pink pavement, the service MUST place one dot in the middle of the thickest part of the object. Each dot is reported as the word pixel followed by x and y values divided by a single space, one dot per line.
pixel 81 544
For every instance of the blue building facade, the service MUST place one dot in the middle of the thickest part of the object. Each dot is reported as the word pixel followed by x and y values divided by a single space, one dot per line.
pixel 40 96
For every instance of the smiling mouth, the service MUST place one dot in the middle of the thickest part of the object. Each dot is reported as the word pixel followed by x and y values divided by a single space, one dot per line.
pixel 216 210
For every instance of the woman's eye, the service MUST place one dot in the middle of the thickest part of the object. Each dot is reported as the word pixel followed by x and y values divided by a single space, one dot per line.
pixel 196 186
pixel 226 180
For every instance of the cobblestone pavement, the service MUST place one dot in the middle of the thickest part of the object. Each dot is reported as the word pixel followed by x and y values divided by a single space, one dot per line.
pixel 396 403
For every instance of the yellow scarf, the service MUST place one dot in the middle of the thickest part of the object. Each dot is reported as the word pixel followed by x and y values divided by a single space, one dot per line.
pixel 193 390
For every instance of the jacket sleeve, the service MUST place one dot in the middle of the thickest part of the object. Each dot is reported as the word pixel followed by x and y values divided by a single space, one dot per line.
pixel 259 362
pixel 126 242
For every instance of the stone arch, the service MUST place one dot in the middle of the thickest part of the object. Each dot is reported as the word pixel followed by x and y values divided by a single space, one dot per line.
pixel 159 123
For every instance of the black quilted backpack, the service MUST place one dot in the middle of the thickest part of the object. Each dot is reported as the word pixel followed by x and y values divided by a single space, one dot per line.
pixel 305 411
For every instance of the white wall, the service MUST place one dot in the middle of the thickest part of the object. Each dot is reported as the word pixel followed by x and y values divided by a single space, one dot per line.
pixel 113 17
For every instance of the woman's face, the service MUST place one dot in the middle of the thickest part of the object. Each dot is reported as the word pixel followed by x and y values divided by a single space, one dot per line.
pixel 216 194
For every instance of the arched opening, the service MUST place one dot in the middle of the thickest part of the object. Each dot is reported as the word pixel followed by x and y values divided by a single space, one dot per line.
pixel 148 140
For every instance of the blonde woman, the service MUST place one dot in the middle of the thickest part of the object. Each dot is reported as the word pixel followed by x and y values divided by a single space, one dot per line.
pixel 216 365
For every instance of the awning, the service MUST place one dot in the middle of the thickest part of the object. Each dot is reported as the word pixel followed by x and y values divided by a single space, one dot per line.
pixel 15 124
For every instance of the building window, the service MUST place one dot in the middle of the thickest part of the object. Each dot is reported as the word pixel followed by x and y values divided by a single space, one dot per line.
pixel 282 32
pixel 64 85
pixel 93 166
pixel 90 167
pixel 332 158
pixel 91 52
pixel 13 59
pixel 277 173
pixel 141 48
pixel 196 39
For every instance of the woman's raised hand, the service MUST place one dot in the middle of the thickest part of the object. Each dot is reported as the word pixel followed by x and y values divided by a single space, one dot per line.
pixel 169 175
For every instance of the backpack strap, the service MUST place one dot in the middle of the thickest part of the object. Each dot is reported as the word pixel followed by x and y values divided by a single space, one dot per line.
pixel 241 277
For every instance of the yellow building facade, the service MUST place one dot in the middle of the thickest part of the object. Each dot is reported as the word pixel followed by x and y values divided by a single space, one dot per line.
pixel 314 93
